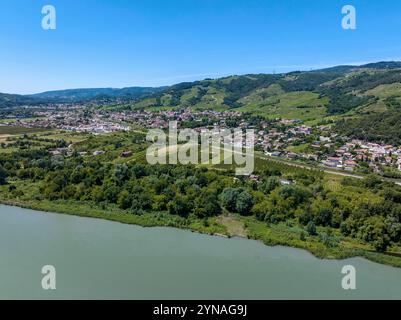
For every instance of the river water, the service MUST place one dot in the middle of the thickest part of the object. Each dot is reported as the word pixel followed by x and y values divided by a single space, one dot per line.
pixel 96 259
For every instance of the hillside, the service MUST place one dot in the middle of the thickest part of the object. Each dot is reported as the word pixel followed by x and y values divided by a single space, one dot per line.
pixel 378 127
pixel 363 98
pixel 77 95
pixel 302 95
pixel 12 100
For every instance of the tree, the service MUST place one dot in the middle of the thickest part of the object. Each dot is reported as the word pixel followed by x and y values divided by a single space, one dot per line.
pixel 97 193
pixel 372 181
pixel 141 201
pixel 111 193
pixel 374 231
pixel 323 217
pixel 294 195
pixel 159 202
pixel 179 206
pixel 138 171
pixel 393 227
pixel 62 143
pixel 261 210
pixel 244 203
pixel 229 198
pixel 269 185
pixel 305 217
pixel 237 200
pixel 121 172
pixel 3 176
pixel 207 204
pixel 311 228
pixel 124 200
pixel 345 229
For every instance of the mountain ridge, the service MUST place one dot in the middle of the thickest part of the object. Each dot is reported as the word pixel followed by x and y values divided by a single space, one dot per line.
pixel 80 94
pixel 337 83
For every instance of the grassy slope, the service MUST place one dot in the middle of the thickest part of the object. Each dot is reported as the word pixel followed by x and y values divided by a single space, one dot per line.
pixel 385 90
pixel 309 96
pixel 293 105
pixel 382 93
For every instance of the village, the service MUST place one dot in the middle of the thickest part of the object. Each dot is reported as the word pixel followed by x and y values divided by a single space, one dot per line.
pixel 286 139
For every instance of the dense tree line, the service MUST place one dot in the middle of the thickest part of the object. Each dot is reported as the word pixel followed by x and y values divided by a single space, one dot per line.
pixel 340 101
pixel 375 127
pixel 369 210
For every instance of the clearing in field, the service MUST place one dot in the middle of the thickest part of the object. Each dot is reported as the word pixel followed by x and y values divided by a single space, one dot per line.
pixel 72 137
pixel 235 227
pixel 3 137
pixel 11 130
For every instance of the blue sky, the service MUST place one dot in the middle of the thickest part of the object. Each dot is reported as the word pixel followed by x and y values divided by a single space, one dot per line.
pixel 118 43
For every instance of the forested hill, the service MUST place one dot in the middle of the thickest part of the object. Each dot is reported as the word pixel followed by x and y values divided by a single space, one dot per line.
pixel 77 95
pixel 95 93
pixel 13 100
pixel 377 127
pixel 366 100
pixel 311 94
pixel 366 95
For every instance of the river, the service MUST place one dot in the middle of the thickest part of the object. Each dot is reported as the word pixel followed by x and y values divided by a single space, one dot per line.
pixel 96 259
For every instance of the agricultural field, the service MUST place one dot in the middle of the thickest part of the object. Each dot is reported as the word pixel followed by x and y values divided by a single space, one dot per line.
pixel 63 135
pixel 385 91
pixel 11 130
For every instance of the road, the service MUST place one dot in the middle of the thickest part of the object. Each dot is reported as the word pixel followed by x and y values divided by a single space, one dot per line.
pixel 329 171
pixel 309 167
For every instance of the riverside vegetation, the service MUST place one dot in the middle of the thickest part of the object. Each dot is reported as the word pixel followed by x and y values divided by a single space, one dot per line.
pixel 331 216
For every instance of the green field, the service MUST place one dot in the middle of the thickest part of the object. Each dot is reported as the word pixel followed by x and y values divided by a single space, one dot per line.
pixel 67 136
pixel 293 105
pixel 299 149
pixel 385 91
pixel 11 130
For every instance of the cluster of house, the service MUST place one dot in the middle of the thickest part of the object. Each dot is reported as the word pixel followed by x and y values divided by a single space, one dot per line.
pixel 161 119
pixel 70 150
pixel 375 154
pixel 72 120
pixel 340 163
pixel 96 127
pixel 275 137
pixel 348 156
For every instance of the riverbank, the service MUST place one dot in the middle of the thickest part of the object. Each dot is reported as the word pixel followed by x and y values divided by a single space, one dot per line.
pixel 113 213
pixel 98 259
pixel 270 235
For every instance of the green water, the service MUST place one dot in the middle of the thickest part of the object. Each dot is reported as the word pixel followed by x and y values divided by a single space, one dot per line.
pixel 100 259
